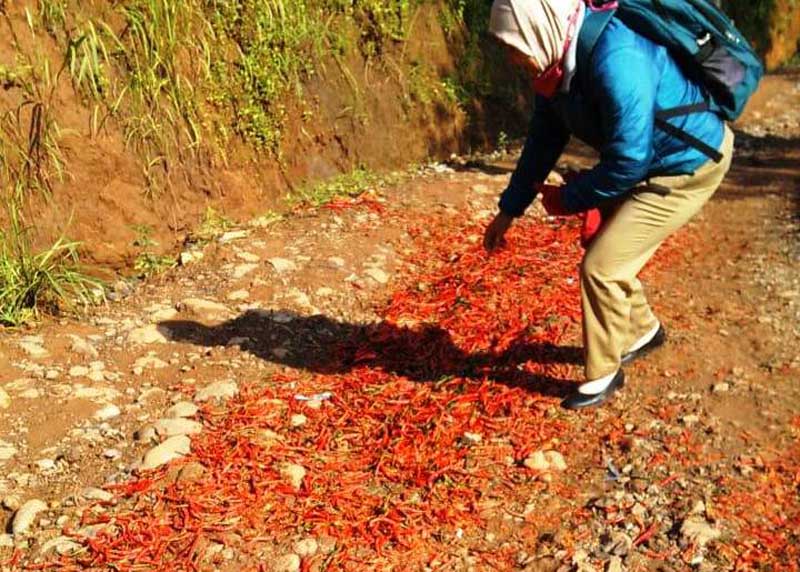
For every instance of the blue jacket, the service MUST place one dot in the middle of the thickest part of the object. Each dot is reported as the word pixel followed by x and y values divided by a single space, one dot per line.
pixel 629 79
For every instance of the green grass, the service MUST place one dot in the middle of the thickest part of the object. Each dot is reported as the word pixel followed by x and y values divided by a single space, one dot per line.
pixel 346 185
pixel 148 263
pixel 31 282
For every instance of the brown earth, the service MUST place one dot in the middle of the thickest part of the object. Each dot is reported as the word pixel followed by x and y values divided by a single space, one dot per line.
pixel 730 299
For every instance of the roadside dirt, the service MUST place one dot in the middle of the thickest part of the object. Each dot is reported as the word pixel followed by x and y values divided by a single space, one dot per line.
pixel 705 431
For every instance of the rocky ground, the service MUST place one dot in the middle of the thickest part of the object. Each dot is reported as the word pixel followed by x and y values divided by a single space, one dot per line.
pixel 696 463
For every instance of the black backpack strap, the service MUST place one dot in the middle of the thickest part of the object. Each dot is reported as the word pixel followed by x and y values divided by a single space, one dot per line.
pixel 594 22
pixel 662 123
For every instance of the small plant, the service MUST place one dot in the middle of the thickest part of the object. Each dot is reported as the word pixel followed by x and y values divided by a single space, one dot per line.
pixel 347 185
pixel 503 142
pixel 147 262
pixel 30 282
pixel 212 225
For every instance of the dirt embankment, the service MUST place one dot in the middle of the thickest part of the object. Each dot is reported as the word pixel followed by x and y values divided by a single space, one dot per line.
pixel 377 111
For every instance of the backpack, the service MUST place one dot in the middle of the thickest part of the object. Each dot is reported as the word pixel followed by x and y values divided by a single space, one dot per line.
pixel 704 43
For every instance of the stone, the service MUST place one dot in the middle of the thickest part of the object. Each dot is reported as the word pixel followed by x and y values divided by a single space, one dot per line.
pixel 248 257
pixel 78 371
pixel 81 346
pixel 95 494
pixel 5 399
pixel 7 451
pixel 238 296
pixel 294 474
pixel 152 334
pixel 217 390
pixel 6 541
pixel 555 460
pixel 204 309
pixel 191 473
pixel 614 564
pixel 108 412
pixel 179 426
pixel 33 346
pixel 149 362
pixel 232 235
pixel 182 409
pixel 190 256
pixel 146 434
pixel 377 275
pixel 112 454
pixel 282 265
pixel 306 547
pixel 472 438
pixel 243 270
pixel 24 517
pixel 45 464
pixel 537 462
pixel 298 420
pixel 173 448
pixel 721 388
pixel 62 545
pixel 696 530
pixel 11 503
pixel 287 563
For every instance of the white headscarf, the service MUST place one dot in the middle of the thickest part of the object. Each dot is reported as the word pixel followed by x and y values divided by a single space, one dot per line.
pixel 537 28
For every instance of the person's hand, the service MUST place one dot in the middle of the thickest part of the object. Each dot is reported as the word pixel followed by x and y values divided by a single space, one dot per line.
pixel 551 199
pixel 496 231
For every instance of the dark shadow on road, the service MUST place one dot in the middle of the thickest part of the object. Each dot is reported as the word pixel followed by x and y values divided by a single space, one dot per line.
pixel 323 345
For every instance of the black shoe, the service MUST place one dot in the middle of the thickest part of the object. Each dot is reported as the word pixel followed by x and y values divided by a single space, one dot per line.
pixel 658 340
pixel 579 400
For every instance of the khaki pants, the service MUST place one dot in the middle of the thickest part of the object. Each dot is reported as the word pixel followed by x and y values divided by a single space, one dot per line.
pixel 615 311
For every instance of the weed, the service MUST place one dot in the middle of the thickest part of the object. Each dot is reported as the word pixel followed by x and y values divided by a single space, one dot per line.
pixel 350 184
pixel 30 282
pixel 147 262
pixel 213 225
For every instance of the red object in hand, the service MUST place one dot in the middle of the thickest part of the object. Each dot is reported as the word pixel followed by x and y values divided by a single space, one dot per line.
pixel 592 221
pixel 551 199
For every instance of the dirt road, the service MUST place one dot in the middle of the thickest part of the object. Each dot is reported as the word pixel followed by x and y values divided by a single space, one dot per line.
pixel 361 388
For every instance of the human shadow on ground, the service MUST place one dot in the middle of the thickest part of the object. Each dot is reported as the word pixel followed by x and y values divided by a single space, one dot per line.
pixel 324 345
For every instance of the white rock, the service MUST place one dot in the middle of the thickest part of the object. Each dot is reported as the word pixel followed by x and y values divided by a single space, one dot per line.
pixel 282 265
pixel 163 315
pixel 81 346
pixel 63 545
pixel 294 474
pixel 173 448
pixel 152 334
pixel 287 563
pixel 182 409
pixel 377 275
pixel 555 460
pixel 472 438
pixel 179 426
pixel 217 390
pixel 696 530
pixel 7 451
pixel 325 292
pixel 95 494
pixel 721 388
pixel 101 394
pixel 614 564
pixel 78 371
pixel 537 462
pixel 150 395
pixel 33 346
pixel 248 257
pixel 243 270
pixel 6 541
pixel 149 362
pixel 5 399
pixel 112 454
pixel 298 420
pixel 232 235
pixel 238 295
pixel 207 309
pixel 45 464
pixel 306 547
pixel 24 517
pixel 336 262
pixel 108 412
pixel 190 256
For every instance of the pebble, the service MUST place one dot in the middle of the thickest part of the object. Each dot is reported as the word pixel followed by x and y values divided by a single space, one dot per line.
pixel 248 257
pixel 152 334
pixel 63 545
pixel 614 564
pixel 108 412
pixel 206 309
pixel 11 503
pixel 112 454
pixel 546 461
pixel 7 451
pixel 238 295
pixel 182 409
pixel 282 265
pixel 189 256
pixel 377 275
pixel 24 517
pixel 177 426
pixel 78 371
pixel 232 235
pixel 217 390
pixel 721 388
pixel 298 420
pixel 243 270
pixel 148 362
pixel 294 474
pixel 33 346
pixel 191 473
pixel 81 346
pixel 95 494
pixel 306 547
pixel 287 563
pixel 5 399
pixel 45 464
pixel 696 530
pixel 6 541
pixel 472 438
pixel 173 448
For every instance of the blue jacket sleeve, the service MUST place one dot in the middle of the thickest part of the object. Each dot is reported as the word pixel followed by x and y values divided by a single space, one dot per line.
pixel 546 140
pixel 624 86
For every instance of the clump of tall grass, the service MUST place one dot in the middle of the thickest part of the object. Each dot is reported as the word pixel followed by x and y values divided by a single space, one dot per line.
pixel 31 282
